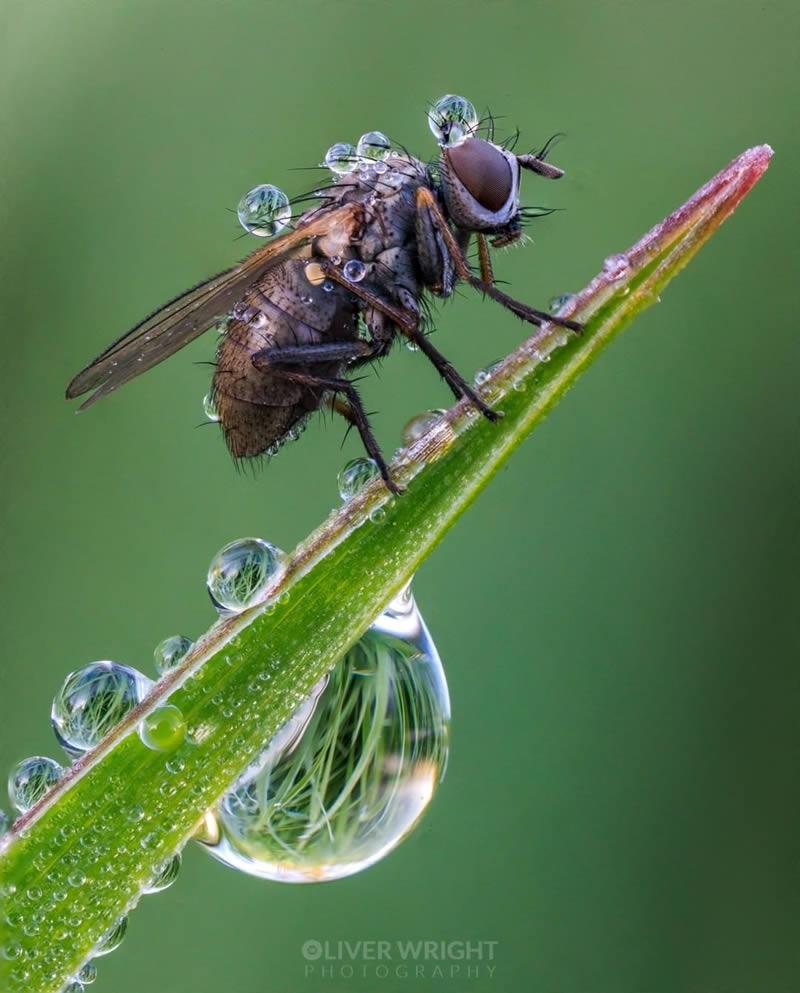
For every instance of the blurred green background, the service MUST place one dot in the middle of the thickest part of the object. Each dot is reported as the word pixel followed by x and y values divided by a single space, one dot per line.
pixel 618 612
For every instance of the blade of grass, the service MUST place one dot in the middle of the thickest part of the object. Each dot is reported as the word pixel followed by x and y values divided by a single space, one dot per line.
pixel 80 858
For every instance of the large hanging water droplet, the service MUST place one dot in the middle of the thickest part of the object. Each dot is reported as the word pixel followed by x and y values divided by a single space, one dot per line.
pixel 357 474
pixel 420 425
pixel 163 729
pixel 30 779
pixel 264 211
pixel 341 158
pixel 170 651
pixel 92 701
pixel 361 773
pixel 87 974
pixel 112 939
pixel 452 118
pixel 164 875
pixel 241 571
pixel 374 145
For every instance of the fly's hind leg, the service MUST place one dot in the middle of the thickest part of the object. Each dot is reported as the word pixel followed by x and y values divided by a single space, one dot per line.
pixel 284 360
pixel 430 218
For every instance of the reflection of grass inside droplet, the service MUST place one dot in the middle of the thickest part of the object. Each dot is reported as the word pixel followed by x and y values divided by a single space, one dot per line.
pixel 108 697
pixel 377 721
pixel 241 584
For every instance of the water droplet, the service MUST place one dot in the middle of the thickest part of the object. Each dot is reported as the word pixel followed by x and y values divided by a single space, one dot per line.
pixel 264 211
pixel 412 346
pixel 164 875
pixel 5 821
pixel 241 571
pixel 88 974
pixel 377 514
pixel 354 270
pixel 12 950
pixel 373 145
pixel 420 425
pixel 73 987
pixel 616 267
pixel 328 286
pixel 355 476
pixel 30 779
pixel 112 939
pixel 348 781
pixel 164 729
pixel 482 376
pixel 210 407
pixel 170 651
pixel 341 158
pixel 558 303
pixel 92 701
pixel 452 118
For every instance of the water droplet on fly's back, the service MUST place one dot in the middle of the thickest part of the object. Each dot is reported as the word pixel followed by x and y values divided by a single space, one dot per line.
pixel 210 407
pixel 357 474
pixel 264 211
pixel 354 271
pixel 356 772
pixel 30 779
pixel 164 875
pixel 341 158
pixel 92 701
pixel 452 118
pixel 169 652
pixel 241 571
pixel 374 145
pixel 163 729
pixel 420 425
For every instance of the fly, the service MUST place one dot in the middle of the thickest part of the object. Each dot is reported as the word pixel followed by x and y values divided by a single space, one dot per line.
pixel 389 229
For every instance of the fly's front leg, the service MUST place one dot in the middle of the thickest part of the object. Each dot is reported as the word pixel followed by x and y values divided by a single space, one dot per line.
pixel 485 259
pixel 406 319
pixel 433 219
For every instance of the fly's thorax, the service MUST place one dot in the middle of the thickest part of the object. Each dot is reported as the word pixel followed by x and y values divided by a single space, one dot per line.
pixel 480 184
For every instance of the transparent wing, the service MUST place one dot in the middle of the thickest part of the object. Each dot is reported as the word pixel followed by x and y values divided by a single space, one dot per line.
pixel 193 312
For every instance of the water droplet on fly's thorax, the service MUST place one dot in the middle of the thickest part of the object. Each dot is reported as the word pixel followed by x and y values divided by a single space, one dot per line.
pixel 420 425
pixel 341 158
pixel 355 476
pixel 92 701
pixel 164 875
pixel 374 146
pixel 264 211
pixel 210 407
pixel 452 118
pixel 169 652
pixel 30 779
pixel 354 271
pixel 334 799
pixel 241 571
pixel 163 729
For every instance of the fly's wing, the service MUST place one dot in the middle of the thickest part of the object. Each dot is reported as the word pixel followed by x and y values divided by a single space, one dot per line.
pixel 189 315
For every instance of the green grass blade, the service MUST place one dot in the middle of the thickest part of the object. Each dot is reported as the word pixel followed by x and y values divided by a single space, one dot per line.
pixel 80 858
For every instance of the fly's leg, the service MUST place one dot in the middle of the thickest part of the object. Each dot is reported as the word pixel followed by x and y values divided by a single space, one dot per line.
pixel 432 219
pixel 406 318
pixel 485 259
pixel 279 358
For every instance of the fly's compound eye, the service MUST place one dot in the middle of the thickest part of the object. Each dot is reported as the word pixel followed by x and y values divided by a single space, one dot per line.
pixel 483 170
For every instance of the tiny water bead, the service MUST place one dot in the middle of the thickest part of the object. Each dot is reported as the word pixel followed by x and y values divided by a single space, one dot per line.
pixel 164 875
pixel 373 145
pixel 356 772
pixel 616 267
pixel 30 779
pixel 170 651
pixel 341 157
pixel 164 729
pixel 452 118
pixel 241 571
pixel 5 821
pixel 354 271
pixel 420 425
pixel 558 303
pixel 264 211
pixel 210 407
pixel 88 974
pixel 92 701
pixel 357 474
